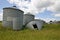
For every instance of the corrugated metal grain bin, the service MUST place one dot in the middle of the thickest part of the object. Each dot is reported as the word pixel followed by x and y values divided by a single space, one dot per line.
pixel 28 18
pixel 10 17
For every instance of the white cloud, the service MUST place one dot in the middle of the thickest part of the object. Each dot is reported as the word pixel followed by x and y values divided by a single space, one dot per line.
pixel 56 15
pixel 55 8
pixel 43 3
pixel 46 19
pixel 36 6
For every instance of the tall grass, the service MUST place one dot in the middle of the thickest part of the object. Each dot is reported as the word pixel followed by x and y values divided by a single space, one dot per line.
pixel 49 32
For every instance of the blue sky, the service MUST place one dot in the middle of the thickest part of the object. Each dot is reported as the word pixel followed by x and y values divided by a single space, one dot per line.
pixel 4 3
pixel 45 15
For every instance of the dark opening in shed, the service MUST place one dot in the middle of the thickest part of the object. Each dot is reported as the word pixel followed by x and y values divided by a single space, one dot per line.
pixel 35 26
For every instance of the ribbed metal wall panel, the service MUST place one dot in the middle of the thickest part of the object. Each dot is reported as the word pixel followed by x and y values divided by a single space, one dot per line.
pixel 17 23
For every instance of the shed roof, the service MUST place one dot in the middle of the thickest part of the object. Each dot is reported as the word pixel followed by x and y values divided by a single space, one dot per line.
pixel 13 8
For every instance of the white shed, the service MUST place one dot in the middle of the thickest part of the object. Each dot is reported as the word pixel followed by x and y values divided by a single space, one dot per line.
pixel 36 24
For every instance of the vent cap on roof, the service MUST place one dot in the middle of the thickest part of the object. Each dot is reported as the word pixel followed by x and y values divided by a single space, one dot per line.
pixel 14 6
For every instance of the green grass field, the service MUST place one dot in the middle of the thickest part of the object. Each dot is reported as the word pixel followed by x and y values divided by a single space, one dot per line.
pixel 49 32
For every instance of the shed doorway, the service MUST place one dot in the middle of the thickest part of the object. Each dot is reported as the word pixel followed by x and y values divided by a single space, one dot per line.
pixel 35 26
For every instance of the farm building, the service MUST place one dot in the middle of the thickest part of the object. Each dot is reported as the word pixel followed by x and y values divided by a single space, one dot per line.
pixel 12 17
pixel 28 18
pixel 35 24
pixel 16 18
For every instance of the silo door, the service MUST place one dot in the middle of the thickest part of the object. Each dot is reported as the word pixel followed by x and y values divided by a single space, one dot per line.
pixel 35 26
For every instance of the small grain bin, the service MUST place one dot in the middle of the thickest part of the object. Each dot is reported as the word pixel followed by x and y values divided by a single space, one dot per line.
pixel 27 18
pixel 13 17
pixel 36 24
